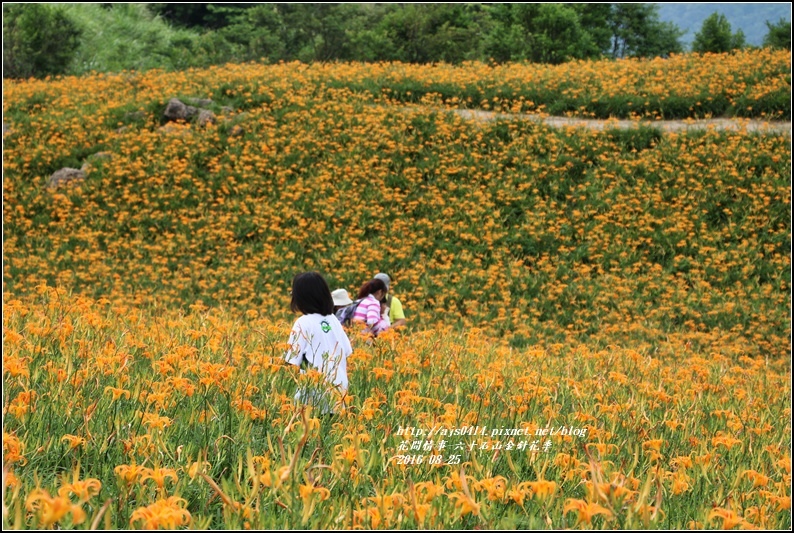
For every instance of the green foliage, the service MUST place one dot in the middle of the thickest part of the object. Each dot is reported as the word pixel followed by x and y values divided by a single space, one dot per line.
pixel 317 32
pixel 38 40
pixel 115 37
pixel 424 33
pixel 636 139
pixel 594 19
pixel 128 36
pixel 251 34
pixel 368 37
pixel 558 37
pixel 715 36
pixel 555 33
pixel 306 32
pixel 638 32
pixel 195 15
pixel 779 35
pixel 541 33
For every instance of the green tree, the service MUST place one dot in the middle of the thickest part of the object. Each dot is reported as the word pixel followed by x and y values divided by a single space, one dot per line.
pixel 38 40
pixel 594 19
pixel 250 34
pixel 199 16
pixel 779 35
pixel 506 38
pixel 715 36
pixel 317 32
pixel 368 37
pixel 541 33
pixel 307 32
pixel 555 34
pixel 638 32
pixel 423 33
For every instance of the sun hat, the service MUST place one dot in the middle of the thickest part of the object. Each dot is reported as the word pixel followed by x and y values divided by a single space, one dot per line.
pixel 341 297
pixel 384 278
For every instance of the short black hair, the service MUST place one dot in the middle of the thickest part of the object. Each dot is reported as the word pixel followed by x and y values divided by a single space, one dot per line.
pixel 311 294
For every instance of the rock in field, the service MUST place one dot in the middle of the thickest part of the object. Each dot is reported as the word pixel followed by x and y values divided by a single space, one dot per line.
pixel 176 110
pixel 64 176
pixel 205 117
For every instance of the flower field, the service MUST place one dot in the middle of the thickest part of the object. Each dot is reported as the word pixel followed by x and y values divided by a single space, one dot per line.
pixel 599 322
pixel 120 417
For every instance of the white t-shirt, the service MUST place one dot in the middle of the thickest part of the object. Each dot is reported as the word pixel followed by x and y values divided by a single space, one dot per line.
pixel 323 344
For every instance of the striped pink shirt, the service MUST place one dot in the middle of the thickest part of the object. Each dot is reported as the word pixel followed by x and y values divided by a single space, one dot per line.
pixel 369 311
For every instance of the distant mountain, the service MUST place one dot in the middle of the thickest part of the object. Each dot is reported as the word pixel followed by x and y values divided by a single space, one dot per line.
pixel 750 18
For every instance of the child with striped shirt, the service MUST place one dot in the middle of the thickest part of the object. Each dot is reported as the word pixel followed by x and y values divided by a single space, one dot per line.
pixel 370 309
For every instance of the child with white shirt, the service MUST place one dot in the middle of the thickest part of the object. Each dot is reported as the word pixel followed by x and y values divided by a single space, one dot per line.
pixel 318 341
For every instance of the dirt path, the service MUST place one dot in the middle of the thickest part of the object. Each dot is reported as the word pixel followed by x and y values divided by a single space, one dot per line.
pixel 666 125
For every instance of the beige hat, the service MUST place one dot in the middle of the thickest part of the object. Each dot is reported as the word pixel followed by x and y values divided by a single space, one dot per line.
pixel 341 297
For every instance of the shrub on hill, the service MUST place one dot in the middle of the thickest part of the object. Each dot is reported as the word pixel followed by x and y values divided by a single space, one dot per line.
pixel 38 40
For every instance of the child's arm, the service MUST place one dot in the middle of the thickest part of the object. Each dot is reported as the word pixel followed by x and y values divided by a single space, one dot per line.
pixel 297 347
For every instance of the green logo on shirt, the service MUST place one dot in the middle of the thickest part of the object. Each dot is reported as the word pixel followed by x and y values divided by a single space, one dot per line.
pixel 326 327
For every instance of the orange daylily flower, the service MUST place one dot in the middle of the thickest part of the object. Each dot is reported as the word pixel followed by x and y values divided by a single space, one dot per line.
pixel 585 511
pixel 168 513
pixel 729 518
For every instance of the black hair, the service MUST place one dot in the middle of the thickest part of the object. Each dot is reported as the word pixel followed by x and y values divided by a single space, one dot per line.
pixel 370 287
pixel 311 294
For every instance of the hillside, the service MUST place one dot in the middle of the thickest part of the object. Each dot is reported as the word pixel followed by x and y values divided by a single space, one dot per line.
pixel 532 233
pixel 599 321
